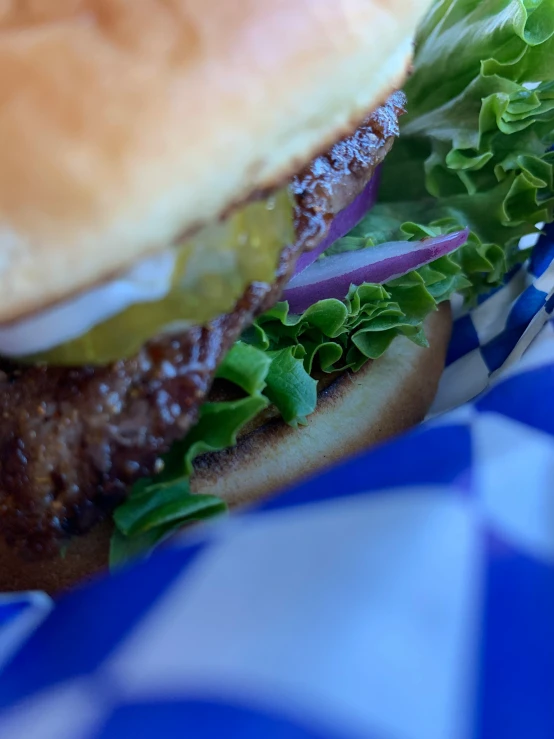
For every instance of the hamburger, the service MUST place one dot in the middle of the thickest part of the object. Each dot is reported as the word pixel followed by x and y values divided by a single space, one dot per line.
pixel 201 301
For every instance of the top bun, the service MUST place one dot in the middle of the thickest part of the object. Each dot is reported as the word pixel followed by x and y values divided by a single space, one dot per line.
pixel 127 123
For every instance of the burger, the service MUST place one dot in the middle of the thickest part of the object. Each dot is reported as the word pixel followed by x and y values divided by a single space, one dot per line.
pixel 212 282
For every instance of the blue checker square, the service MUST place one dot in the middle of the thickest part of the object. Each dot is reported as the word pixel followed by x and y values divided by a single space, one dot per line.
pixel 516 671
pixel 20 615
pixel 525 398
pixel 464 339
pixel 12 610
pixel 526 308
pixel 205 720
pixel 543 253
pixel 497 351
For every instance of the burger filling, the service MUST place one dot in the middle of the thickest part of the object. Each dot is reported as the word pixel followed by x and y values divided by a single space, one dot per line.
pixel 106 403
pixel 86 418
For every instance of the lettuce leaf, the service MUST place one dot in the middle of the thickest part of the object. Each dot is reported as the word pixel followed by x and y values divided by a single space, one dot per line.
pixel 159 506
pixel 475 145
pixel 338 335
pixel 475 151
pixel 289 385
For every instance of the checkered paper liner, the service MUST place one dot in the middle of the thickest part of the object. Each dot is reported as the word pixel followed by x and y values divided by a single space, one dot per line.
pixel 492 337
pixel 406 594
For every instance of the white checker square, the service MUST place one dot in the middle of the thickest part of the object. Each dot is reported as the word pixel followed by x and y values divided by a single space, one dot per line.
pixel 545 283
pixel 539 354
pixel 514 479
pixel 527 338
pixel 490 317
pixel 461 381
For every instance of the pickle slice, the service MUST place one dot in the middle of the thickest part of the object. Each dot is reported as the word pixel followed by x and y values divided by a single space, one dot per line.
pixel 213 270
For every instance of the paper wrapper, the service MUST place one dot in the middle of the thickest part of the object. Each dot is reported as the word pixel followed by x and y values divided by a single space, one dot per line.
pixel 407 594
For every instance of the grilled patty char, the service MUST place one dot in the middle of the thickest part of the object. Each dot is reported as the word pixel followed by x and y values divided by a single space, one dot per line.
pixel 72 441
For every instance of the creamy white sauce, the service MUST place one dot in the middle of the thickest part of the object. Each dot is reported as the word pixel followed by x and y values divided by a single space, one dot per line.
pixel 146 282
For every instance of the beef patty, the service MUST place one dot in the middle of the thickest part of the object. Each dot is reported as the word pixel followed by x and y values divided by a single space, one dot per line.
pixel 72 441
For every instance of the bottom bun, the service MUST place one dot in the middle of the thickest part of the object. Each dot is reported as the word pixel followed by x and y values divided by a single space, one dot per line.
pixel 356 411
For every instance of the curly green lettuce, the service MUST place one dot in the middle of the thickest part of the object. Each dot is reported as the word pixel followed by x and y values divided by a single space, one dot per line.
pixel 475 145
pixel 475 151
pixel 159 506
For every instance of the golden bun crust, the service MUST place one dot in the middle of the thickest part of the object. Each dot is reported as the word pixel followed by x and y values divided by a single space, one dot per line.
pixel 125 124
pixel 384 399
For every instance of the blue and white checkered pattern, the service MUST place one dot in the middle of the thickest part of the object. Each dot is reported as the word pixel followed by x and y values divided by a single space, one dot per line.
pixel 407 594
pixel 496 334
pixel 20 615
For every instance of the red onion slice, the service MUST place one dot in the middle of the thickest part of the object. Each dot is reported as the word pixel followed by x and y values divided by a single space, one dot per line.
pixel 333 276
pixel 344 221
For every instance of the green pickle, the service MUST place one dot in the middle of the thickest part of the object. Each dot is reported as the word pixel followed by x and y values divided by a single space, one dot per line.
pixel 213 270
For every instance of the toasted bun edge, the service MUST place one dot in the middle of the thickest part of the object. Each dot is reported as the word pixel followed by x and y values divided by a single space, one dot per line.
pixel 356 412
